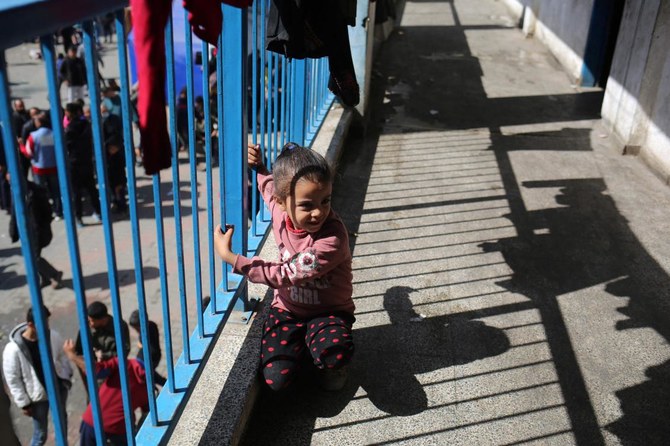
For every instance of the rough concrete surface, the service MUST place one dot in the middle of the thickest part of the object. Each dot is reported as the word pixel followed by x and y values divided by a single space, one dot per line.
pixel 510 266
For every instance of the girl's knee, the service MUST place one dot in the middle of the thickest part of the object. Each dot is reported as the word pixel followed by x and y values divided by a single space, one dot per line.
pixel 278 375
pixel 336 357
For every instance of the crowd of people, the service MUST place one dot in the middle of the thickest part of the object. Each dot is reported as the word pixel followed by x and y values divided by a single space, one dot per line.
pixel 24 373
pixel 36 150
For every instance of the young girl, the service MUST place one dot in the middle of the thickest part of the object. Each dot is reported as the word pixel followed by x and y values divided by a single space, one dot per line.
pixel 312 310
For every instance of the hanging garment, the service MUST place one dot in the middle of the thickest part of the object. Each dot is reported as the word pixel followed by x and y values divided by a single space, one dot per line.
pixel 149 18
pixel 313 29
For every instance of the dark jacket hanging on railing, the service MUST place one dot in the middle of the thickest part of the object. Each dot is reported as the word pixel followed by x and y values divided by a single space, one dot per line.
pixel 313 29
pixel 149 19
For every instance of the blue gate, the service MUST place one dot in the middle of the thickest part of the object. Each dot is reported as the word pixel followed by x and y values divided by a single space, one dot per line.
pixel 269 100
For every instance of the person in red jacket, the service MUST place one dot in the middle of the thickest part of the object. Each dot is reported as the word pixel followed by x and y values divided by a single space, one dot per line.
pixel 111 399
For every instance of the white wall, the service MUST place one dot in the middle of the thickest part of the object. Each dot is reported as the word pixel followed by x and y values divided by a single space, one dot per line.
pixel 561 25
pixel 636 107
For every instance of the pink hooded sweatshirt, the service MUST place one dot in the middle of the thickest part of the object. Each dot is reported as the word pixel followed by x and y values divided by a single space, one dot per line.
pixel 313 274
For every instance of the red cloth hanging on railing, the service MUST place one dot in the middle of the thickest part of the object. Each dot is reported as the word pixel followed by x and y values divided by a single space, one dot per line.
pixel 149 18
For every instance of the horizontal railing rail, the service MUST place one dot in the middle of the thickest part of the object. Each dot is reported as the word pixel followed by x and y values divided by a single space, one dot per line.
pixel 269 100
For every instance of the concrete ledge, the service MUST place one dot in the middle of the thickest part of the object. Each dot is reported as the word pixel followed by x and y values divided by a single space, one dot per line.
pixel 224 395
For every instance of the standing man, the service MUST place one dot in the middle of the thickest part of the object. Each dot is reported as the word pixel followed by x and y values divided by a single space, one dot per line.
pixel 41 150
pixel 112 130
pixel 24 374
pixel 73 73
pixel 19 117
pixel 79 144
pixel 102 333
pixel 103 341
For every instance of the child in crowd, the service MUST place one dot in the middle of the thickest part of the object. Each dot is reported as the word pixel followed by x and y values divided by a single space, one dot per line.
pixel 312 311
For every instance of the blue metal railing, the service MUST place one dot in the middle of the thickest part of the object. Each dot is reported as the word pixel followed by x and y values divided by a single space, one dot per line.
pixel 288 100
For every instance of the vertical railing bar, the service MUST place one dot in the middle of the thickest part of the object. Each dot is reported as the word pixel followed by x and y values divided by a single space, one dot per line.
pixel 176 199
pixel 208 160
pixel 162 267
pixel 132 201
pixel 160 238
pixel 254 111
pixel 284 95
pixel 101 170
pixel 194 177
pixel 222 161
pixel 291 99
pixel 314 96
pixel 269 110
pixel 263 91
pixel 235 92
pixel 18 187
pixel 275 108
pixel 48 53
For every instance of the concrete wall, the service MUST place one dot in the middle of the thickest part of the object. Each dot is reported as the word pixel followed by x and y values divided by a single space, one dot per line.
pixel 561 25
pixel 636 107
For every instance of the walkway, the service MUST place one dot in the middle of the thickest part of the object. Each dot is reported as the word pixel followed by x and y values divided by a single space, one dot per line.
pixel 510 266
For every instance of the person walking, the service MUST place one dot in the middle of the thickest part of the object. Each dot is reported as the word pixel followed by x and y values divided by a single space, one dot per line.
pixel 73 73
pixel 39 218
pixel 41 150
pixel 79 144
pixel 24 373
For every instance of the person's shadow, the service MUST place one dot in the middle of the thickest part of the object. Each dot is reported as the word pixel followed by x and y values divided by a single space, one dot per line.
pixel 385 366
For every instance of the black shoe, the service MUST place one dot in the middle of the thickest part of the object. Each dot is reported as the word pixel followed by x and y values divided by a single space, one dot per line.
pixel 56 281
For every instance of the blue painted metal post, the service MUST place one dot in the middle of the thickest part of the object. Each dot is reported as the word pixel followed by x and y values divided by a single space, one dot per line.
pixel 49 54
pixel 194 177
pixel 18 200
pixel 208 160
pixel 299 102
pixel 132 201
pixel 101 170
pixel 235 135
pixel 172 105
pixel 222 160
pixel 254 112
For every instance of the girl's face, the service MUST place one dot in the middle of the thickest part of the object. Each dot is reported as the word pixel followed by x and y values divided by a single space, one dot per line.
pixel 309 206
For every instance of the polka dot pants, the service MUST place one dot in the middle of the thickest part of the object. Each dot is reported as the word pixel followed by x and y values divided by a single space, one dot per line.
pixel 287 339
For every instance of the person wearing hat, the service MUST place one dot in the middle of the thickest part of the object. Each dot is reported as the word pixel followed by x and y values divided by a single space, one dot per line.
pixel 24 374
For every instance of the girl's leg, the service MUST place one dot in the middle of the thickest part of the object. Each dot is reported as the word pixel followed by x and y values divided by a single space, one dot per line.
pixel 329 340
pixel 282 348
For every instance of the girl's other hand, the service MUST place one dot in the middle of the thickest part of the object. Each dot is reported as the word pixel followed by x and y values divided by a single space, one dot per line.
pixel 255 158
pixel 223 244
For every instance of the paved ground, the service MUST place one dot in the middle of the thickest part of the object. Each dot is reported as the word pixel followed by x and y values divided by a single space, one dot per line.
pixel 510 266
pixel 28 83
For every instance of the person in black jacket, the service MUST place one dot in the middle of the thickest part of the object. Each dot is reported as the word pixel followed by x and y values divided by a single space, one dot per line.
pixel 79 143
pixel 112 130
pixel 38 213
pixel 73 73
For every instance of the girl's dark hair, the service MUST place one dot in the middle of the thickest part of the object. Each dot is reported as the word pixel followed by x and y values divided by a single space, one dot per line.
pixel 295 163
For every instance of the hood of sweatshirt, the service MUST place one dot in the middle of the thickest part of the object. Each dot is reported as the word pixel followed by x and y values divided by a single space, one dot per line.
pixel 16 336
